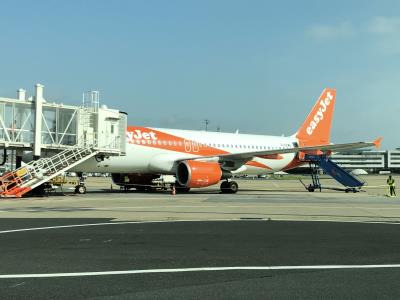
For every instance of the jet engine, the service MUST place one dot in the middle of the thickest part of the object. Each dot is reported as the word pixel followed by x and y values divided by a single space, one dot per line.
pixel 197 174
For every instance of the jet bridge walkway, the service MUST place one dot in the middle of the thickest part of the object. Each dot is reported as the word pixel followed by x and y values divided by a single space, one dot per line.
pixel 58 136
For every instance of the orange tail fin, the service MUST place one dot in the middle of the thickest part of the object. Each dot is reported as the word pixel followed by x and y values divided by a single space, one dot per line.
pixel 316 129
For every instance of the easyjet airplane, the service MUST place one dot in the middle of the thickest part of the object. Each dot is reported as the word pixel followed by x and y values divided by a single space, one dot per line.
pixel 201 158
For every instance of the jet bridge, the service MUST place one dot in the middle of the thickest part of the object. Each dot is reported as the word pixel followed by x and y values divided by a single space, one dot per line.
pixel 59 136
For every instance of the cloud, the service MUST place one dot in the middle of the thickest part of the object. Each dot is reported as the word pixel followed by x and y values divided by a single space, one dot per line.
pixel 384 25
pixel 378 33
pixel 385 31
pixel 341 30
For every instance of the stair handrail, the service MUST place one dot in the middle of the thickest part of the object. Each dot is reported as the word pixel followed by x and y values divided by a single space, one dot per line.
pixel 38 165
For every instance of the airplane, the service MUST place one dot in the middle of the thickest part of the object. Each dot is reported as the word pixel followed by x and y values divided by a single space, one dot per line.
pixel 202 158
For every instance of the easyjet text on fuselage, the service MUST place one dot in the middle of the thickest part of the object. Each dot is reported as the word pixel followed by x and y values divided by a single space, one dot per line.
pixel 137 134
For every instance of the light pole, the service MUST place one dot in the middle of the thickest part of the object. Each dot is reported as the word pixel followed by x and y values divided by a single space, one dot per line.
pixel 206 121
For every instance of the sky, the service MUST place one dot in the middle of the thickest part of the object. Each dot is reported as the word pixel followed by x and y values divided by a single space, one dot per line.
pixel 256 66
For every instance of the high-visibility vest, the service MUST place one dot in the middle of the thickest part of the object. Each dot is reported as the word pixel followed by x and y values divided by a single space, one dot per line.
pixel 390 182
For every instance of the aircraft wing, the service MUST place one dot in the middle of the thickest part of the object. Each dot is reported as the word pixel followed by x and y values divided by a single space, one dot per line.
pixel 245 156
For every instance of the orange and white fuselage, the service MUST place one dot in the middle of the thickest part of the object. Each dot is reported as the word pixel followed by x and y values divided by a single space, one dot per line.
pixel 155 150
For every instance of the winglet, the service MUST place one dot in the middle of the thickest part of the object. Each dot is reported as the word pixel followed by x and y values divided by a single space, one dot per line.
pixel 378 142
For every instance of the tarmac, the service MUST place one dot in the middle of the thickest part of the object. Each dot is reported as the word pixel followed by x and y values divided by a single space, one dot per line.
pixel 265 199
pixel 272 239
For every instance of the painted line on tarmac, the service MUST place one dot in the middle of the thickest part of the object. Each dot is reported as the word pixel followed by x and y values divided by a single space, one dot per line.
pixel 204 269
pixel 178 221
pixel 242 206
pixel 375 186
pixel 105 224
pixel 397 207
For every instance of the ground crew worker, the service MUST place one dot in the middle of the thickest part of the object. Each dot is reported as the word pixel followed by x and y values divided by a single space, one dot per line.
pixel 390 182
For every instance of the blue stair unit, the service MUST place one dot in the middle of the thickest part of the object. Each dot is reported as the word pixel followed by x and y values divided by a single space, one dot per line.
pixel 334 170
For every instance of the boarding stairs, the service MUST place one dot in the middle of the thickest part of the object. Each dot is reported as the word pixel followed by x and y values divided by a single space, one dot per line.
pixel 22 180
pixel 349 181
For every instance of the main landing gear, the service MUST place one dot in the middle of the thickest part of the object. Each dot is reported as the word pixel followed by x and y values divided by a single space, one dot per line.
pixel 229 187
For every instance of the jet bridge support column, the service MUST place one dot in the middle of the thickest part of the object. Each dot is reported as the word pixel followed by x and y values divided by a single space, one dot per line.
pixel 18 158
pixel 37 145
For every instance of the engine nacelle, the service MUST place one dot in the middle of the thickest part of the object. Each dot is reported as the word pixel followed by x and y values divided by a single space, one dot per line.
pixel 197 174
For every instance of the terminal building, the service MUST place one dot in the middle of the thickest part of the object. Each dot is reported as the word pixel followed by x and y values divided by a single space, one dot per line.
pixel 369 161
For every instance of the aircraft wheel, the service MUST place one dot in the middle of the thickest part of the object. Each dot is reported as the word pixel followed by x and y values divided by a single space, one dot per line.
pixel 224 187
pixel 80 189
pixel 182 189
pixel 229 187
pixel 233 187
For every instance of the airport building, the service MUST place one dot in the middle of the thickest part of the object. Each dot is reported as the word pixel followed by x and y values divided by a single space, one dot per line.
pixel 57 136
pixel 394 160
pixel 370 161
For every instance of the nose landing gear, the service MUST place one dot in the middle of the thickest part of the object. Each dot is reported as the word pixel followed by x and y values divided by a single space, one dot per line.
pixel 81 188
